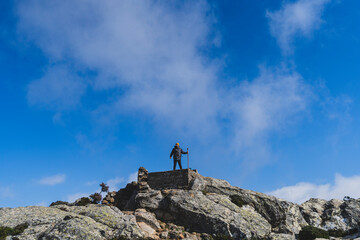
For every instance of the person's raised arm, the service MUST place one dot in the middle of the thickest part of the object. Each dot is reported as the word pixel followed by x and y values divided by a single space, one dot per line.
pixel 183 152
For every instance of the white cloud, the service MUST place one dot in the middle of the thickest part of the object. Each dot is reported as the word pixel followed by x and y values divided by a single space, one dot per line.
pixel 53 180
pixel 150 49
pixel 91 183
pixel 42 204
pixel 303 191
pixel 6 192
pixel 295 18
pixel 114 184
pixel 133 177
pixel 71 198
pixel 147 56
pixel 58 89
pixel 98 145
pixel 269 103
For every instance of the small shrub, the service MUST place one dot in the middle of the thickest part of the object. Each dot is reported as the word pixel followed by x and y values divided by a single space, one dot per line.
pixel 337 233
pixel 222 237
pixel 174 235
pixel 310 233
pixel 59 203
pixel 96 198
pixel 7 231
pixel 351 231
pixel 104 187
pixel 342 233
pixel 83 201
pixel 236 199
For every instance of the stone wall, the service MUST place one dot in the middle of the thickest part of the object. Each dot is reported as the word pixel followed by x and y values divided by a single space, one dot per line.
pixel 168 179
pixel 124 199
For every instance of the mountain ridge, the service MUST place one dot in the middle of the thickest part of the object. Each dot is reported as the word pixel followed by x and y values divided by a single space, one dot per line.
pixel 208 208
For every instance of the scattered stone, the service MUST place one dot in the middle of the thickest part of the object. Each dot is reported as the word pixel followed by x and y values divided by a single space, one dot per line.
pixel 163 225
pixel 149 218
pixel 148 231
pixel 281 236
pixel 164 235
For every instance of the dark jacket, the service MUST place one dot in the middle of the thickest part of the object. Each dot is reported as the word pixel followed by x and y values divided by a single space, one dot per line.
pixel 176 152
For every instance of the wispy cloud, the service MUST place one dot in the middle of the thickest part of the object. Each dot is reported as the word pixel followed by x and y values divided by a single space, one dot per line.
pixel 95 146
pixel 53 180
pixel 91 183
pixel 267 102
pixel 58 88
pixel 114 184
pixel 148 49
pixel 71 198
pixel 42 204
pixel 6 192
pixel 273 101
pixel 299 18
pixel 146 56
pixel 132 177
pixel 303 191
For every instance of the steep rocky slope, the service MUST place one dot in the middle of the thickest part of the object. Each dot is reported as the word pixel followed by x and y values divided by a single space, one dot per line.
pixel 209 209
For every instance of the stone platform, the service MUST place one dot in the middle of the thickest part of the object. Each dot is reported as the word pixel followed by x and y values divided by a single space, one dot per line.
pixel 178 179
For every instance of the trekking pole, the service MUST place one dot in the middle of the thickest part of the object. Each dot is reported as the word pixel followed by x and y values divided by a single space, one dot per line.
pixel 188 157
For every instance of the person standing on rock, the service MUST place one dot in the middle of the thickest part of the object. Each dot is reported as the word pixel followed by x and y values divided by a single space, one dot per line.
pixel 177 152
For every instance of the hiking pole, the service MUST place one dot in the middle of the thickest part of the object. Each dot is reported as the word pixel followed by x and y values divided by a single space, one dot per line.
pixel 188 157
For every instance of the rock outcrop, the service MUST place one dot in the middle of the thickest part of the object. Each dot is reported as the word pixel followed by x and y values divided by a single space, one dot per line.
pixel 332 215
pixel 207 208
pixel 75 222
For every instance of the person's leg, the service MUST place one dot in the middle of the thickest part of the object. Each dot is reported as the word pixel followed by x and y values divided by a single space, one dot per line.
pixel 174 165
pixel 180 164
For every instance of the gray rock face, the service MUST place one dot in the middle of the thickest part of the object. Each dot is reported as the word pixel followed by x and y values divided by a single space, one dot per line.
pixel 147 222
pixel 333 214
pixel 207 207
pixel 281 236
pixel 350 213
pixel 64 222
pixel 284 216
pixel 146 217
pixel 324 214
pixel 312 211
pixel 215 213
pixel 212 213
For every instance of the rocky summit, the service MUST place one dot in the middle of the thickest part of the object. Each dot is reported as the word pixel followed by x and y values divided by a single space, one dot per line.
pixel 201 208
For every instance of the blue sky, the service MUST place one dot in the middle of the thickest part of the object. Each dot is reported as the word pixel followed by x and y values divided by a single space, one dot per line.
pixel 264 93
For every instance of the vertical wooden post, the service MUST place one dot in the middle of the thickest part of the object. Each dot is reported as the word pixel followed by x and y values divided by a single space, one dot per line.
pixel 188 158
pixel 188 171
